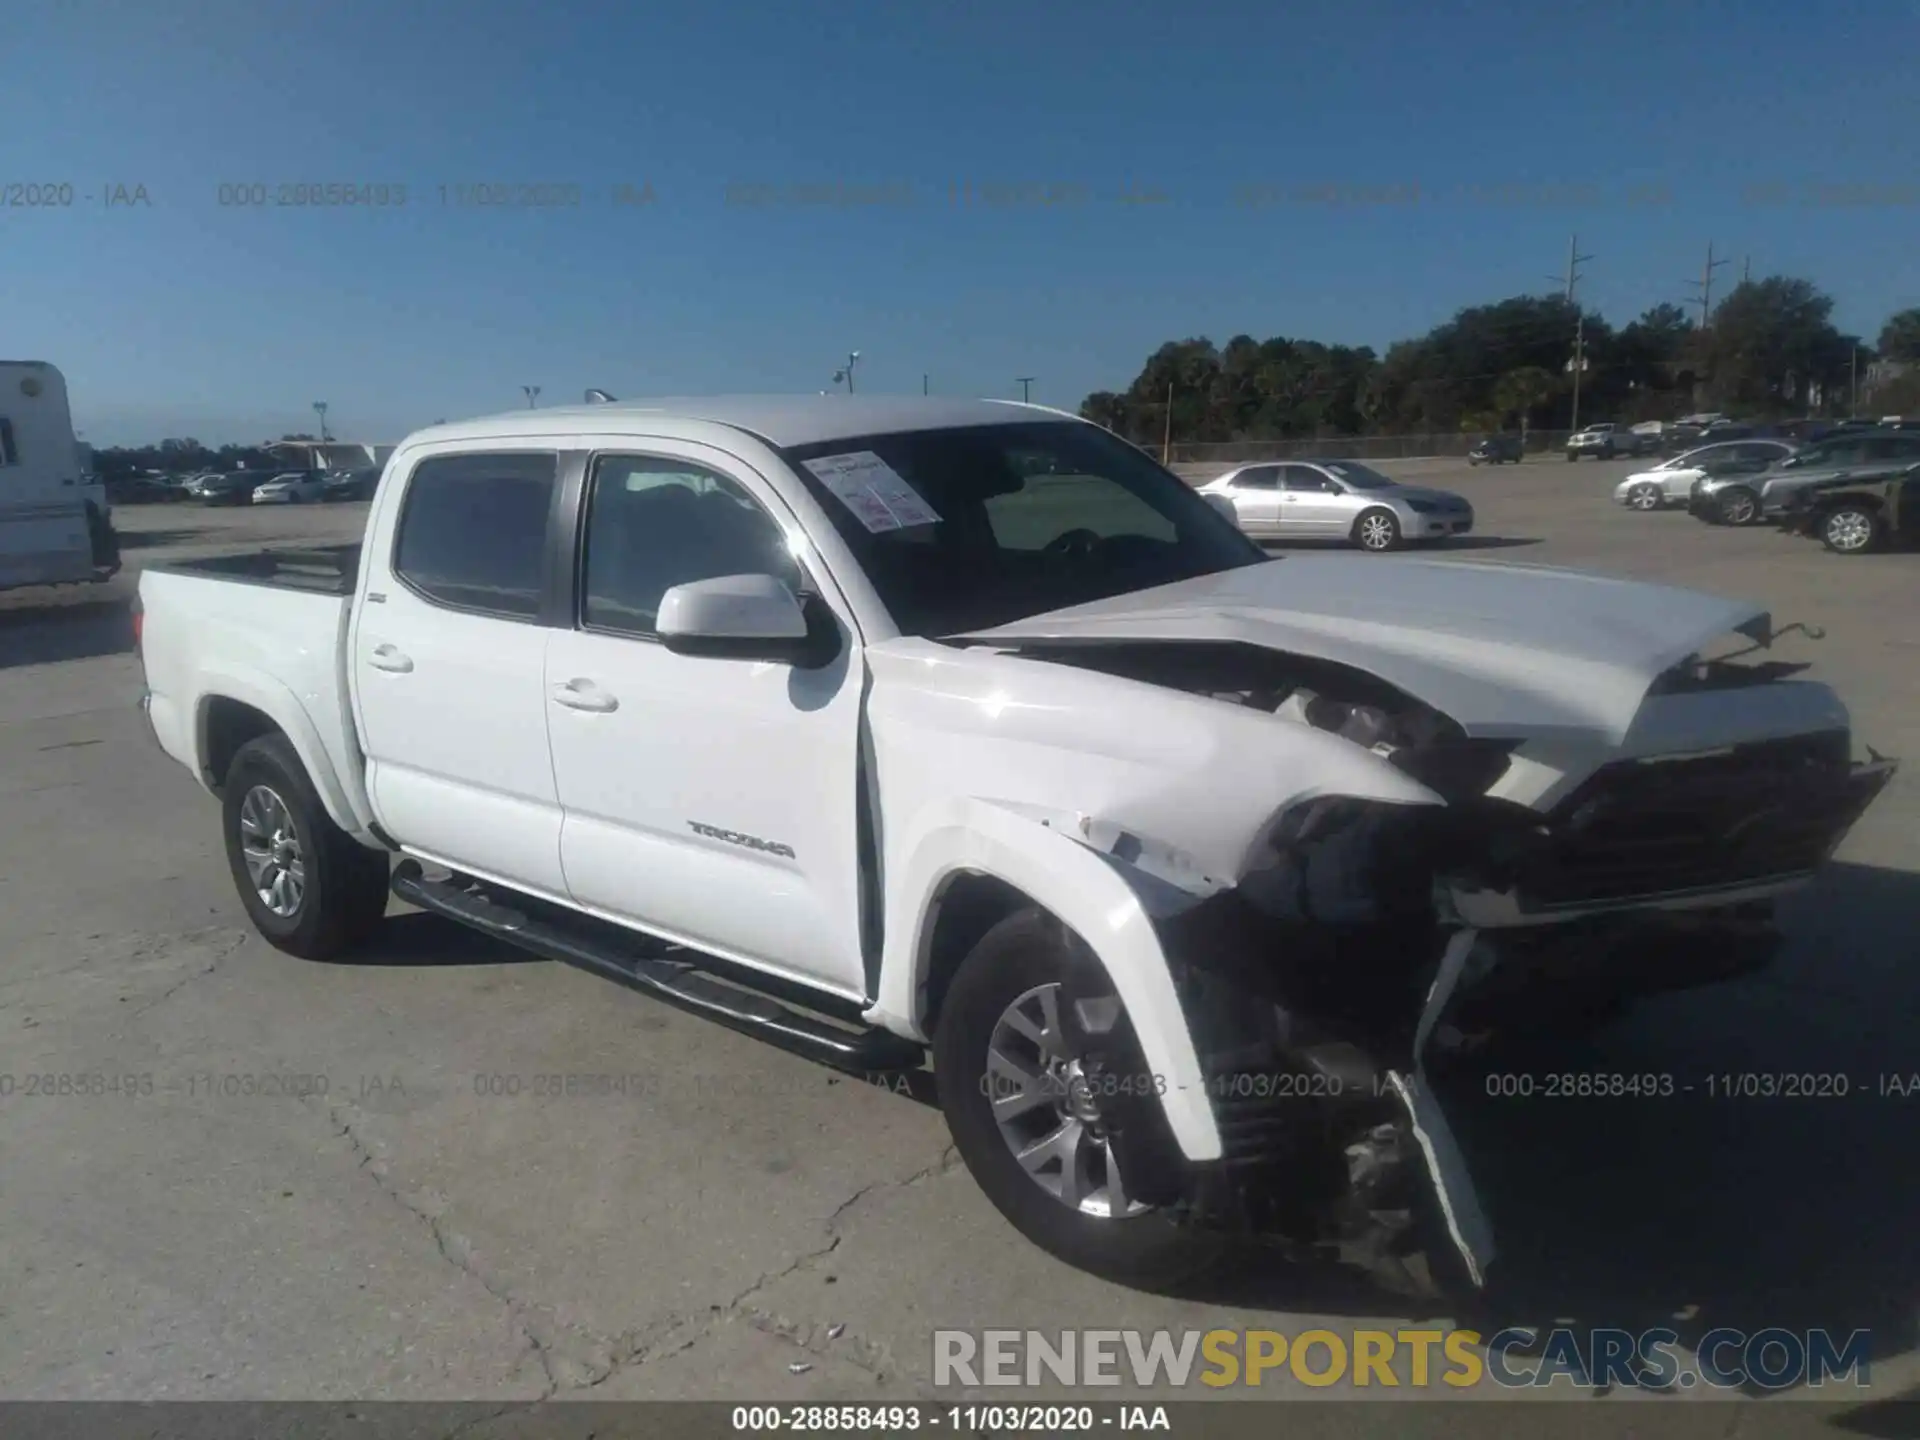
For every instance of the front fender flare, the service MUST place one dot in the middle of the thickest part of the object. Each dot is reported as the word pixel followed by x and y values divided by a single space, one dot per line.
pixel 1086 893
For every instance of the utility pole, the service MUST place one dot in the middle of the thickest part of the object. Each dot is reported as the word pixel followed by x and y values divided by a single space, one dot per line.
pixel 1746 271
pixel 1166 435
pixel 1705 286
pixel 853 359
pixel 1853 382
pixel 320 409
pixel 1025 383
pixel 532 392
pixel 1579 361
pixel 1574 259
pixel 923 386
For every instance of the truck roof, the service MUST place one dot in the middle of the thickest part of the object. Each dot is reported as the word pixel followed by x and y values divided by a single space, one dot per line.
pixel 781 420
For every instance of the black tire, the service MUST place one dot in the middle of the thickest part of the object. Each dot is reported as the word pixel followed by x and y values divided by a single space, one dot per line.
pixel 1571 457
pixel 344 884
pixel 1739 506
pixel 1025 950
pixel 1852 529
pixel 1366 527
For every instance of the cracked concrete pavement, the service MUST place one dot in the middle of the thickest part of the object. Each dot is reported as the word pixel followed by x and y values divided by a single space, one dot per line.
pixel 373 1179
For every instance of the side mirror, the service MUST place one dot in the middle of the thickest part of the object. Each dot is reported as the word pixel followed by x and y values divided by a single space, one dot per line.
pixel 1223 505
pixel 746 617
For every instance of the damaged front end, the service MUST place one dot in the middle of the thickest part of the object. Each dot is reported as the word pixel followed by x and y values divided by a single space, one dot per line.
pixel 1365 943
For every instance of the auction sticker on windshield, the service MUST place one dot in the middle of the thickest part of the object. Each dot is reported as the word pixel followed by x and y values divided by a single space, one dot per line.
pixel 873 491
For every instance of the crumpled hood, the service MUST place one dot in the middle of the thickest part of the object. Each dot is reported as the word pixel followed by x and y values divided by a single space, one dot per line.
pixel 1504 650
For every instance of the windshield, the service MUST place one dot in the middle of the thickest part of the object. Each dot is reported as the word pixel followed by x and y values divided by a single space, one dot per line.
pixel 1026 518
pixel 1360 477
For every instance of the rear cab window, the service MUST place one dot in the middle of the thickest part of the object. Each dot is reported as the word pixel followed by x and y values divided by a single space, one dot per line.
pixel 472 532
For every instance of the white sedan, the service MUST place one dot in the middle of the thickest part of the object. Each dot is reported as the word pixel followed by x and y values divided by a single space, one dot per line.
pixel 295 487
pixel 1669 482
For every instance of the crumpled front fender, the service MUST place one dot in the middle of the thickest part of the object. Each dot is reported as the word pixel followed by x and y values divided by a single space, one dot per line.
pixel 1085 891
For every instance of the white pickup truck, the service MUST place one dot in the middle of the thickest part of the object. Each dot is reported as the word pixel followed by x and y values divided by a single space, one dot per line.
pixel 908 731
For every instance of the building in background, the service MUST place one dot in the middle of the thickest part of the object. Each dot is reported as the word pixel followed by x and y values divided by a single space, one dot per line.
pixel 328 454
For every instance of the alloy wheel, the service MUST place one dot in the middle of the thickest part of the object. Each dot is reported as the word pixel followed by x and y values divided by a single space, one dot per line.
pixel 1849 530
pixel 1376 532
pixel 271 848
pixel 1048 1113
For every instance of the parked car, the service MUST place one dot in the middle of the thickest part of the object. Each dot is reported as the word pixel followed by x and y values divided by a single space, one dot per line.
pixel 236 487
pixel 349 485
pixel 1498 450
pixel 1671 481
pixel 1855 517
pixel 143 490
pixel 292 487
pixel 1338 500
pixel 1852 455
pixel 1173 855
pixel 1603 441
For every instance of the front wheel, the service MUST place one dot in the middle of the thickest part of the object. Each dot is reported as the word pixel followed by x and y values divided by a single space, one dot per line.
pixel 1644 497
pixel 309 887
pixel 1851 530
pixel 1378 531
pixel 1015 1065
pixel 1739 506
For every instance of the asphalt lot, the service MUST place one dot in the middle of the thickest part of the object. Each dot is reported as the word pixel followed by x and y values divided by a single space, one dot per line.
pixel 417 1232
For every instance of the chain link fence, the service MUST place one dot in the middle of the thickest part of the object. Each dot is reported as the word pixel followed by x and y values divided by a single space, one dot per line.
pixel 1442 444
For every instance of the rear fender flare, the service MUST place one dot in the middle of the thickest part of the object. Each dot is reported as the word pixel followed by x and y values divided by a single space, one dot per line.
pixel 1086 893
pixel 279 704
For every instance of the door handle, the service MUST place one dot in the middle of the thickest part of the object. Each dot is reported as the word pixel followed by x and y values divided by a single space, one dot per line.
pixel 584 695
pixel 386 657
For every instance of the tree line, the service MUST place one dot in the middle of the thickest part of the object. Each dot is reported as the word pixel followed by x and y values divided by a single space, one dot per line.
pixel 1769 350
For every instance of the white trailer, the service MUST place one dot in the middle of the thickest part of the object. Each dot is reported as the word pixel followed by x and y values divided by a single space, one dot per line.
pixel 55 524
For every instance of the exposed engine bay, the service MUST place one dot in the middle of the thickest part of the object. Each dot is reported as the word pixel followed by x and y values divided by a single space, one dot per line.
pixel 1371 941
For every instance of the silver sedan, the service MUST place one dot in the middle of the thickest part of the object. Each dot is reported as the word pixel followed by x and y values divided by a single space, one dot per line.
pixel 1670 482
pixel 1338 500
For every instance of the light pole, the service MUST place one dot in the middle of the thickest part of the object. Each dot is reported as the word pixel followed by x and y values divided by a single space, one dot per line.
pixel 320 409
pixel 1025 382
pixel 532 392
pixel 853 359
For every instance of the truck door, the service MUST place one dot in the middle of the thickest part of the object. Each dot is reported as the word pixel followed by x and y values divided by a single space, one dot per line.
pixel 448 657
pixel 711 801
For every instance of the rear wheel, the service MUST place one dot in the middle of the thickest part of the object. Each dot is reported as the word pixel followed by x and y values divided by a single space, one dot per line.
pixel 1011 1062
pixel 1377 530
pixel 1851 529
pixel 1644 497
pixel 309 887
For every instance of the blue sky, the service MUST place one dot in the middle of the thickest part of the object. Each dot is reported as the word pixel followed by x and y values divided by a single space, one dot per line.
pixel 1781 133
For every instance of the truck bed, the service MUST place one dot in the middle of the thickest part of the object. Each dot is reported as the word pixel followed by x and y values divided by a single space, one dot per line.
pixel 320 569
pixel 267 630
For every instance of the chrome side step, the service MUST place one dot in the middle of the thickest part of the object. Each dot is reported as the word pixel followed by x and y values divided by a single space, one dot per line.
pixel 677 977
